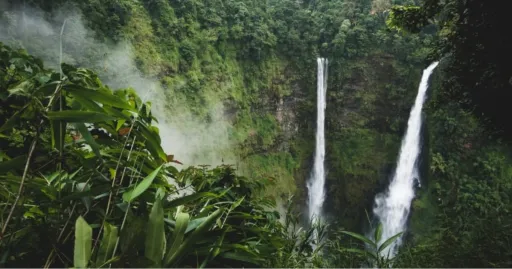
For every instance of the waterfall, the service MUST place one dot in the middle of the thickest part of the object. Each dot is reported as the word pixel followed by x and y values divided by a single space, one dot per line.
pixel 392 207
pixel 316 182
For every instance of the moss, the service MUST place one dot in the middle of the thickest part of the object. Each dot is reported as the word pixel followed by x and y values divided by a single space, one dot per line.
pixel 276 169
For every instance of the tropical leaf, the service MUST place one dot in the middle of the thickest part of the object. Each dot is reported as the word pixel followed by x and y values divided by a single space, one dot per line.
pixel 195 223
pixel 120 124
pixel 83 243
pixel 84 187
pixel 237 203
pixel 108 243
pixel 191 239
pixel 154 244
pixel 116 113
pixel 102 97
pixel 22 88
pixel 110 261
pixel 215 251
pixel 142 186
pixel 48 88
pixel 94 191
pixel 180 227
pixel 189 198
pixel 160 193
pixel 389 241
pixel 152 142
pixel 79 116
pixel 378 233
pixel 89 104
pixel 362 238
pixel 88 138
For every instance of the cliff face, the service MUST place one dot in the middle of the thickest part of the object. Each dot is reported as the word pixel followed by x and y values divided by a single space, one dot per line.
pixel 367 112
pixel 234 82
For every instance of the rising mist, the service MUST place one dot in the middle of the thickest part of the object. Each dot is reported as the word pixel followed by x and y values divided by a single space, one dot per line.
pixel 193 140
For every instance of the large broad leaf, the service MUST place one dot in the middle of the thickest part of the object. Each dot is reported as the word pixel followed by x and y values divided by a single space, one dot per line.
pixel 22 88
pixel 237 203
pixel 89 104
pixel 362 238
pixel 83 243
pixel 378 233
pixel 108 242
pixel 181 225
pixel 88 138
pixel 194 236
pixel 152 142
pixel 389 241
pixel 84 187
pixel 79 116
pixel 362 252
pixel 195 223
pixel 48 89
pixel 189 198
pixel 120 123
pixel 103 97
pixel 142 186
pixel 116 113
pixel 154 244
pixel 97 189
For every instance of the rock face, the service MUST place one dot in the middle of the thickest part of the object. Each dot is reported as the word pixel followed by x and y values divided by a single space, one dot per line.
pixel 366 110
pixel 266 126
pixel 286 116
pixel 368 100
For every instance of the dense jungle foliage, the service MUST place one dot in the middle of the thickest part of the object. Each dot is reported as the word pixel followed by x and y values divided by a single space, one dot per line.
pixel 117 185
pixel 83 166
pixel 85 175
pixel 469 163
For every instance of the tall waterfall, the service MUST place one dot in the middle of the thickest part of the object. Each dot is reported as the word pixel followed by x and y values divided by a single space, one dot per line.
pixel 392 207
pixel 316 182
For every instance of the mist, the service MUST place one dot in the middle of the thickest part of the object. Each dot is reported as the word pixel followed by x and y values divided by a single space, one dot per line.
pixel 192 140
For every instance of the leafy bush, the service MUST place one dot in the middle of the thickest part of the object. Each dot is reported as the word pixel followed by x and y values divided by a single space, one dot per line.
pixel 83 172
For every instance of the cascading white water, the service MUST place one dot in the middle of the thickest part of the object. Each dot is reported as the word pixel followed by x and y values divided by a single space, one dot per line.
pixel 392 207
pixel 316 182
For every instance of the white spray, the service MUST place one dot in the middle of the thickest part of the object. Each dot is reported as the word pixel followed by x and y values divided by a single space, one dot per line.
pixel 190 138
pixel 316 182
pixel 392 207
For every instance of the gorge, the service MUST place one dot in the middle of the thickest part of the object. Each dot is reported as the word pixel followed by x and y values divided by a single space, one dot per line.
pixel 199 134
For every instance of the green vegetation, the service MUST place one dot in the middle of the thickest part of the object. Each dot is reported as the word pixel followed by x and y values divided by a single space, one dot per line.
pixel 99 188
pixel 462 217
pixel 254 59
pixel 98 195
pixel 102 194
